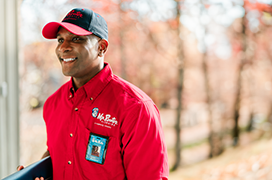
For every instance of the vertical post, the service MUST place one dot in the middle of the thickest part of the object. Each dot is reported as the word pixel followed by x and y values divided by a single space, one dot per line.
pixel 12 79
pixel 9 89
pixel 3 99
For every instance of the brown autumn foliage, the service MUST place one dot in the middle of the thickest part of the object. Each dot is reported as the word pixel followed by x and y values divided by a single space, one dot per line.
pixel 145 53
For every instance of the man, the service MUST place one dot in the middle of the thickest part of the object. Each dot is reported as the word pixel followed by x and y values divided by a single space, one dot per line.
pixel 97 108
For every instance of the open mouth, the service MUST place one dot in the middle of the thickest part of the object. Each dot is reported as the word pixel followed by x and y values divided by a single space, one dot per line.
pixel 69 59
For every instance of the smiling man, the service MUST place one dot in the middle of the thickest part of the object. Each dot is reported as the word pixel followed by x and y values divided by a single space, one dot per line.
pixel 99 109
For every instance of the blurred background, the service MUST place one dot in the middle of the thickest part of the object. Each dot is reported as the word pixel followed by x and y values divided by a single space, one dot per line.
pixel 207 65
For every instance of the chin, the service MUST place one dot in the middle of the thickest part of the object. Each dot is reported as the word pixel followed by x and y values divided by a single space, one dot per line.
pixel 66 73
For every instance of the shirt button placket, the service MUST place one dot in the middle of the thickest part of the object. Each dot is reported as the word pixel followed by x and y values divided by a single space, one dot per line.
pixel 69 162
pixel 69 170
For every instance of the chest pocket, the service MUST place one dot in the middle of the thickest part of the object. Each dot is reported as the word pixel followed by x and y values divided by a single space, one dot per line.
pixel 112 167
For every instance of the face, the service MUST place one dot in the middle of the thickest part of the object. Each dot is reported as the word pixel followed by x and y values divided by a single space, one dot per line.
pixel 78 55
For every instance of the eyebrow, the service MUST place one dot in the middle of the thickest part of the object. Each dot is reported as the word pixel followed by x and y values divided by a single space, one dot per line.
pixel 68 32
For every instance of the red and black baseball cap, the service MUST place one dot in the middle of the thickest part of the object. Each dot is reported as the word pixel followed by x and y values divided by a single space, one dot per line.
pixel 79 21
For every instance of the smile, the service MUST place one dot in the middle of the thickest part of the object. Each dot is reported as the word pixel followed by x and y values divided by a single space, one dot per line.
pixel 69 59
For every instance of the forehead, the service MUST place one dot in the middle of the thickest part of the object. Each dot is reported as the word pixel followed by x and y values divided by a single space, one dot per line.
pixel 63 31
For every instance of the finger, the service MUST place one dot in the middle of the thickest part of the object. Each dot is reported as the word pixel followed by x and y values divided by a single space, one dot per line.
pixel 41 178
pixel 19 168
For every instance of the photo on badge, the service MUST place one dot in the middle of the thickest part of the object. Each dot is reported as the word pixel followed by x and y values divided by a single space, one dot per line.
pixel 97 148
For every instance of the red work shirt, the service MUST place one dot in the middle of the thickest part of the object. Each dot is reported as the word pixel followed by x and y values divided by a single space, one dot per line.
pixel 108 106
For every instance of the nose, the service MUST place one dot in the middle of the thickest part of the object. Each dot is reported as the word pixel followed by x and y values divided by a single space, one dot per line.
pixel 65 46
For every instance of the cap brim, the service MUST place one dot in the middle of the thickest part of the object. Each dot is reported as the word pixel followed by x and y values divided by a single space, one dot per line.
pixel 50 30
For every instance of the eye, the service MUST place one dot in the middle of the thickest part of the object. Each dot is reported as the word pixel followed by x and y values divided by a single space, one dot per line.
pixel 75 39
pixel 60 40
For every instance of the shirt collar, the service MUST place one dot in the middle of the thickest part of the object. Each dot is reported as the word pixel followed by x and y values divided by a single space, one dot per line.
pixel 94 86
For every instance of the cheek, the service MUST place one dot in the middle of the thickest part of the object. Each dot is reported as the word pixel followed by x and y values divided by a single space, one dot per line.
pixel 91 48
pixel 90 52
pixel 56 51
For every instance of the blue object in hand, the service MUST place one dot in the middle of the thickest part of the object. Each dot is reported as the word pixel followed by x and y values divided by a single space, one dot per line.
pixel 42 168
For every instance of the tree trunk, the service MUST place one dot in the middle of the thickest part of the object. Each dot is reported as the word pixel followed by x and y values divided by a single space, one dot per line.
pixel 208 102
pixel 237 102
pixel 215 138
pixel 121 36
pixel 179 91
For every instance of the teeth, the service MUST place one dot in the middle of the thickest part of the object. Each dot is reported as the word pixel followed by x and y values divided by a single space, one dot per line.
pixel 69 59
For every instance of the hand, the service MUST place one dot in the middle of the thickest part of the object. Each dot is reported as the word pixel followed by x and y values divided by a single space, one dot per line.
pixel 41 178
pixel 19 168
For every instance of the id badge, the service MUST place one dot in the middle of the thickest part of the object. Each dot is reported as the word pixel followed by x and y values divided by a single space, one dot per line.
pixel 97 148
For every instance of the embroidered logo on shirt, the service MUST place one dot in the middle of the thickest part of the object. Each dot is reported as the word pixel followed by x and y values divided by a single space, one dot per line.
pixel 105 120
pixel 95 112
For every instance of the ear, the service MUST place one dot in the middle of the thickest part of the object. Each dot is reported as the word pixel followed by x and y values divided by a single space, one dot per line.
pixel 103 47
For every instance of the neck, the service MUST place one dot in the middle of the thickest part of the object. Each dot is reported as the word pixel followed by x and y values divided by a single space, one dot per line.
pixel 80 81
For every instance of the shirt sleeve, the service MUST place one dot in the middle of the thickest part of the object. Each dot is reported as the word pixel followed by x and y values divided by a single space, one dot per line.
pixel 144 150
pixel 45 118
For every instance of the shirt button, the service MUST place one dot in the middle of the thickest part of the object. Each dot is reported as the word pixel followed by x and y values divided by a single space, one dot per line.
pixel 91 98
pixel 70 96
pixel 71 135
pixel 76 109
pixel 69 162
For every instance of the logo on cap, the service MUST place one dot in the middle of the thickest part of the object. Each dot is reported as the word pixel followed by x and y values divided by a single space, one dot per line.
pixel 73 15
